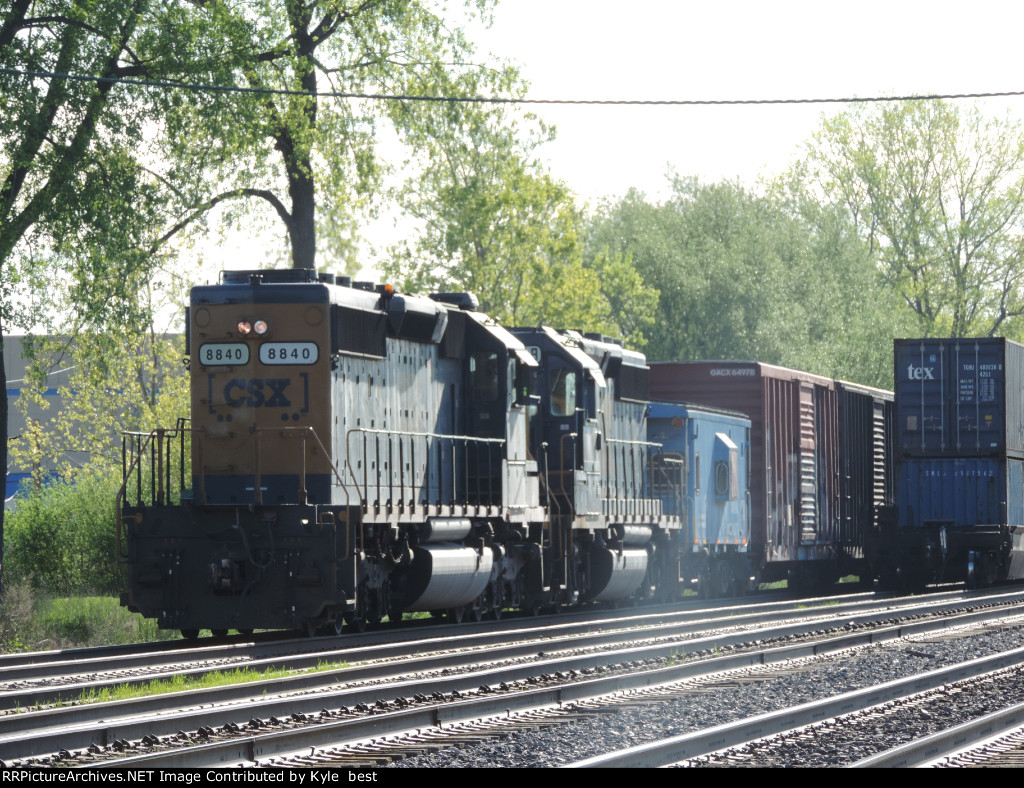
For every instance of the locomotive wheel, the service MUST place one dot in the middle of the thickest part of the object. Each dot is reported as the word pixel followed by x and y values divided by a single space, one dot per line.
pixel 219 633
pixel 722 580
pixel 355 623
pixel 190 634
pixel 246 632
pixel 704 589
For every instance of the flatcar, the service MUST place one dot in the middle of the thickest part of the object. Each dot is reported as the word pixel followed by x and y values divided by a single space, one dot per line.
pixel 353 454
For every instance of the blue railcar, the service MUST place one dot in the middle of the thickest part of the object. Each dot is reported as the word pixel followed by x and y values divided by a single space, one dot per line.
pixel 959 417
pixel 960 519
pixel 701 474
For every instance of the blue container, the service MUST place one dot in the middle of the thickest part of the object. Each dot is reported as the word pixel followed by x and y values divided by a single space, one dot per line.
pixel 960 492
pixel 959 397
pixel 701 474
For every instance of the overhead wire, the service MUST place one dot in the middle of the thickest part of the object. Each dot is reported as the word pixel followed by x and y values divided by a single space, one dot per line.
pixel 208 88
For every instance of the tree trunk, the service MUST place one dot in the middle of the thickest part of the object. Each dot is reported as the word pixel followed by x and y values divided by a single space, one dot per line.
pixel 302 229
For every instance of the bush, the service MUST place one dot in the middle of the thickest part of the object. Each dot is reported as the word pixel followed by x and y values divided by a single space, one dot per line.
pixel 60 538
pixel 95 621
pixel 29 621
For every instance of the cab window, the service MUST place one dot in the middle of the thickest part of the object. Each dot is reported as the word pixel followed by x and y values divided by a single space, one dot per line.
pixel 483 377
pixel 562 392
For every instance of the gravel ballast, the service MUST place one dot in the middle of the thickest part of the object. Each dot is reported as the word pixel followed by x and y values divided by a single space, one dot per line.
pixel 708 706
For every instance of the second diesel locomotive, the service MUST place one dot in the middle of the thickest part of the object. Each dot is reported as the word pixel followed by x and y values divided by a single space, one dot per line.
pixel 354 454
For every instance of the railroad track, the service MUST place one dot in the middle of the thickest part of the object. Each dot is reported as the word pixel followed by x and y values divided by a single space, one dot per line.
pixel 232 725
pixel 826 731
pixel 42 678
pixel 26 684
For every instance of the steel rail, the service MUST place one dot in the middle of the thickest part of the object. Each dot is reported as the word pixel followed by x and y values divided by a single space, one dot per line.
pixel 692 745
pixel 948 742
pixel 99 724
pixel 412 639
pixel 97 660
pixel 91 678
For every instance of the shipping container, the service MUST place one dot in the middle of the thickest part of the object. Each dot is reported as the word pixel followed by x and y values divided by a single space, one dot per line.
pixel 959 397
pixel 794 457
pixel 960 518
pixel 960 492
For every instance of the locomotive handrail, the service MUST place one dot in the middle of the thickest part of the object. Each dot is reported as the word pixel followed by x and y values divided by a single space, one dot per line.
pixel 143 443
pixel 258 492
pixel 465 440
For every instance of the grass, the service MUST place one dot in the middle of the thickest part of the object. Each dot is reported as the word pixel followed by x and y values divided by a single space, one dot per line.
pixel 819 604
pixel 181 683
pixel 31 621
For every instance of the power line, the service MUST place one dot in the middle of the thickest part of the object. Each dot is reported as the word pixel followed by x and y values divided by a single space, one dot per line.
pixel 504 99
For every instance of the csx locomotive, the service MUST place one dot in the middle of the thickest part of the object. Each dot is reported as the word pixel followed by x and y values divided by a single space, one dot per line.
pixel 355 453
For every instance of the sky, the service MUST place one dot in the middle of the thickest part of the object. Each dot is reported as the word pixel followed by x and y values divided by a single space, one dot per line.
pixel 722 50
pixel 787 49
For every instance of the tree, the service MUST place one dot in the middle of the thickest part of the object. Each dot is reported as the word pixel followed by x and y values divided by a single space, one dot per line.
pixel 66 159
pixel 770 277
pixel 493 222
pixel 311 160
pixel 938 194
pixel 97 175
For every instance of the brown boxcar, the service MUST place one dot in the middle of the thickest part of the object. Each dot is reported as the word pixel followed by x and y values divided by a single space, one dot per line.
pixel 867 474
pixel 797 529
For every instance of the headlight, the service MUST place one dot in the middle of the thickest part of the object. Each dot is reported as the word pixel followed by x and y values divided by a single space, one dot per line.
pixel 260 327
pixel 243 327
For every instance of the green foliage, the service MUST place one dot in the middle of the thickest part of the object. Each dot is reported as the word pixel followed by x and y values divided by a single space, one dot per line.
pixel 938 195
pixel 60 539
pixel 771 277
pixel 30 621
pixel 310 163
pixel 494 223
pixel 115 382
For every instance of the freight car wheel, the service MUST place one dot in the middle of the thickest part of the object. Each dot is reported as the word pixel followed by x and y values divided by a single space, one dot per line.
pixel 246 632
pixel 355 623
pixel 455 614
pixel 190 634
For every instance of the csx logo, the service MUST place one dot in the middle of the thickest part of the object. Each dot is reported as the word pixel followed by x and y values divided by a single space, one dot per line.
pixel 920 373
pixel 257 393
